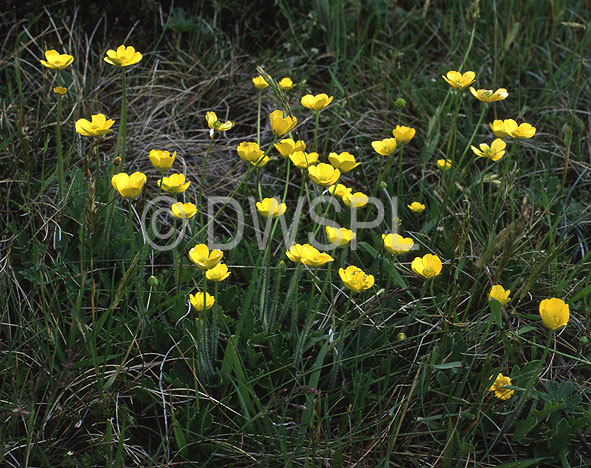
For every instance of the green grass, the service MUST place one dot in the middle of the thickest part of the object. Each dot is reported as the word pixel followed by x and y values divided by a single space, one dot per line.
pixel 100 367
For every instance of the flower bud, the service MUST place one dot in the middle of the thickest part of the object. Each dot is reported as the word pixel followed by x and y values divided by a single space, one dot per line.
pixel 153 281
pixel 383 185
pixel 584 340
pixel 116 161
pixel 281 267
pixel 400 103
pixel 401 336
pixel 60 91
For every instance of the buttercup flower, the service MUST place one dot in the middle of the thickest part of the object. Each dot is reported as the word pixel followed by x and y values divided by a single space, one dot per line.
pixel 183 210
pixel 217 273
pixel 271 207
pixel 355 279
pixel 403 134
pixel 259 83
pixel 311 256
pixel 498 128
pixel 521 132
pixel 302 159
pixel 214 124
pixel 60 91
pixel 324 174
pixel 280 124
pixel 416 207
pixel 129 186
pixel 295 253
pixel 123 56
pixel 201 301
pixel 339 190
pixel 444 164
pixel 262 161
pixel 56 61
pixel 174 184
pixel 341 236
pixel 249 151
pixel 459 81
pixel 500 294
pixel 288 146
pixel 286 84
pixel 396 244
pixel 487 95
pixel 384 147
pixel 494 152
pixel 203 258
pixel 355 200
pixel 343 161
pixel 316 103
pixel 161 159
pixel 98 126
pixel 499 387
pixel 428 266
pixel 554 313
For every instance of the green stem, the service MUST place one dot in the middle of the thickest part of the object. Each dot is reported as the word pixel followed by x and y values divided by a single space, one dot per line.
pixel 317 116
pixel 122 134
pixel 259 118
pixel 130 226
pixel 60 159
pixel 399 185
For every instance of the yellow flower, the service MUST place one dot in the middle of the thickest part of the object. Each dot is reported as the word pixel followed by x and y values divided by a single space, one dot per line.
pixel 554 313
pixel 280 124
pixel 286 84
pixel 97 127
pixel 60 91
pixel 262 161
pixel 498 128
pixel 499 387
pixel 487 95
pixel 271 207
pixel 201 301
pixel 341 236
pixel 123 57
pixel 494 152
pixel 355 200
pixel 355 279
pixel 217 273
pixel 288 146
pixel 403 134
pixel 203 258
pixel 174 184
pixel 249 151
pixel 303 160
pixel 416 207
pixel 324 174
pixel 384 147
pixel 521 131
pixel 339 190
pixel 396 244
pixel 161 159
pixel 344 161
pixel 311 256
pixel 129 186
pixel 183 210
pixel 444 164
pixel 56 61
pixel 215 125
pixel 427 266
pixel 259 83
pixel 500 294
pixel 316 103
pixel 295 253
pixel 457 80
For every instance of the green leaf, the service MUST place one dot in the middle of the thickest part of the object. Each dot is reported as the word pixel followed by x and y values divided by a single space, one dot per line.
pixel 495 310
pixel 523 427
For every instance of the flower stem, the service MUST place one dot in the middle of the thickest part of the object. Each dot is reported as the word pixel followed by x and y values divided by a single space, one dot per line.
pixel 317 116
pixel 122 134
pixel 58 136
pixel 259 118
